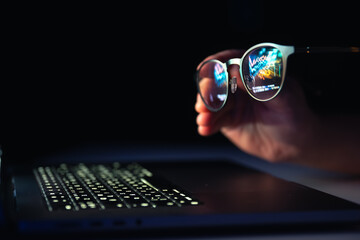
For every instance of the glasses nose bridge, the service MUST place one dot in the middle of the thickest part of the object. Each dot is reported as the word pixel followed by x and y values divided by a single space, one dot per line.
pixel 233 61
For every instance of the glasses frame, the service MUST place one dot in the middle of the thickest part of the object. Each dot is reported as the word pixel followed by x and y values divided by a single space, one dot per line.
pixel 286 51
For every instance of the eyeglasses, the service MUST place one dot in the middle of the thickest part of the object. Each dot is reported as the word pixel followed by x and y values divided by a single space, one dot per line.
pixel 262 71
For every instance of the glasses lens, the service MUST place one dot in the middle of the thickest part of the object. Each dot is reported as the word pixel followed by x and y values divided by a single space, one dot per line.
pixel 213 84
pixel 262 71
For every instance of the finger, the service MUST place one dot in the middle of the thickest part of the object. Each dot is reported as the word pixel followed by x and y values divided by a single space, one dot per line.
pixel 228 54
pixel 209 130
pixel 205 119
pixel 200 105
pixel 205 131
pixel 224 56
pixel 208 124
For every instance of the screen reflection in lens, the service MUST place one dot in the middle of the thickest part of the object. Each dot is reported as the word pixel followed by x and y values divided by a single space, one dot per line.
pixel 213 84
pixel 262 71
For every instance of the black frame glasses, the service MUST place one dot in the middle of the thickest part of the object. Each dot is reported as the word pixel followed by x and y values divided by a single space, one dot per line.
pixel 262 70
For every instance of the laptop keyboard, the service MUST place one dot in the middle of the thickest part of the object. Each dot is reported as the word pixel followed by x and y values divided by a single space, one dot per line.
pixel 107 186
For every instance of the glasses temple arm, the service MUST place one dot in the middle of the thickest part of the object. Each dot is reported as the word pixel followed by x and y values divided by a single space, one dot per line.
pixel 327 50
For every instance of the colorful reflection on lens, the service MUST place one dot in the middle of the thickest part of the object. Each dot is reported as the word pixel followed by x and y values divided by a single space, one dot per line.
pixel 262 72
pixel 213 84
pixel 220 76
pixel 265 64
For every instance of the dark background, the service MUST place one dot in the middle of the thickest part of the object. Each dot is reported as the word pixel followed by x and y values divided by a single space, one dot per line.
pixel 123 73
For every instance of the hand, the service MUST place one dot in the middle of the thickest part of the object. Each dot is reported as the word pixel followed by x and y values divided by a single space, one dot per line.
pixel 277 130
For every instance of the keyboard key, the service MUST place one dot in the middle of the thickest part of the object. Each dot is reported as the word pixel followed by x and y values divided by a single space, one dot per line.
pixel 100 186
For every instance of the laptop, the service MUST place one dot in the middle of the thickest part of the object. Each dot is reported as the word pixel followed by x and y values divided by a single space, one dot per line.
pixel 126 193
